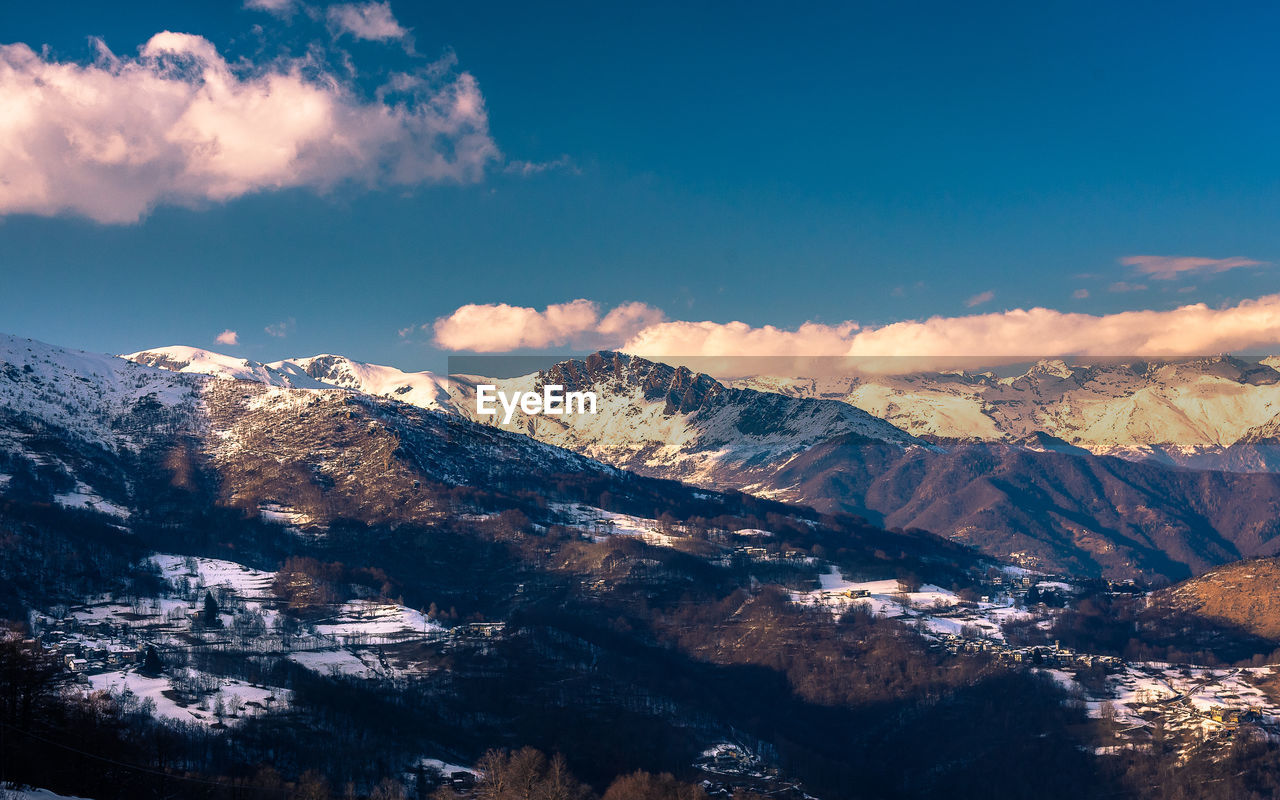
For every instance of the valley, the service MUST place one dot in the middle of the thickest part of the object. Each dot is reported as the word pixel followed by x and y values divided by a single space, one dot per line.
pixel 230 557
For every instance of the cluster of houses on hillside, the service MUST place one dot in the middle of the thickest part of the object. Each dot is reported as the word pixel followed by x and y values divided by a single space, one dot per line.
pixel 758 553
pixel 733 770
pixel 65 639
pixel 1055 656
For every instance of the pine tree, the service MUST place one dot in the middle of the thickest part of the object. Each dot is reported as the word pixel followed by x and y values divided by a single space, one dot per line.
pixel 211 618
pixel 151 663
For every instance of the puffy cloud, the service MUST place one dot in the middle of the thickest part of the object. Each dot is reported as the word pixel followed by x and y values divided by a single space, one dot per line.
pixel 498 327
pixel 980 298
pixel 372 21
pixel 627 319
pixel 740 339
pixel 1188 330
pixel 1080 294
pixel 227 337
pixel 989 339
pixel 111 139
pixel 1168 267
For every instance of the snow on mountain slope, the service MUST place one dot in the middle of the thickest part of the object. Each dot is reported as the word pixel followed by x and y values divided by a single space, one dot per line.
pixel 103 433
pixel 1207 413
pixel 422 389
pixel 10 792
pixel 180 358
pixel 668 421
pixel 95 397
pixel 1168 410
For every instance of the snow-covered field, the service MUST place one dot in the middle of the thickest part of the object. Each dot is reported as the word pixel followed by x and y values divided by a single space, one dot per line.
pixel 1191 692
pixel 839 594
pixel 364 618
pixel 212 573
pixel 235 699
pixel 338 662
pixel 105 637
pixel 11 792
pixel 603 524
pixel 937 609
pixel 86 498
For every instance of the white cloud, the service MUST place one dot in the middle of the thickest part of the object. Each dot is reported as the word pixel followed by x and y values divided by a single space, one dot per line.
pixel 628 319
pixel 980 298
pixel 280 8
pixel 281 329
pixel 1169 267
pixel 372 21
pixel 227 337
pixel 178 124
pixel 1125 286
pixel 498 327
pixel 1013 335
pixel 526 169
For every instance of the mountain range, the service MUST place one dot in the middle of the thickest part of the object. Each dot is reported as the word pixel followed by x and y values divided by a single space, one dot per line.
pixel 695 555
pixel 1208 413
pixel 1115 469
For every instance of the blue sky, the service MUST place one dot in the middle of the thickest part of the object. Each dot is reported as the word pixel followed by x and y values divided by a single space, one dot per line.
pixel 766 164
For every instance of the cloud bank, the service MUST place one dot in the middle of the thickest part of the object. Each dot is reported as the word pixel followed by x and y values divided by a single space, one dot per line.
pixel 1195 329
pixel 498 327
pixel 179 124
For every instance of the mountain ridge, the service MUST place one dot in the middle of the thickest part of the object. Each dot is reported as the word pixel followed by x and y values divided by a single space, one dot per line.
pixel 1050 502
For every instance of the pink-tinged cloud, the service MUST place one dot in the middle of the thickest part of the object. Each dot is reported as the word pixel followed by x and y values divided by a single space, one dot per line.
pixel 178 124
pixel 680 338
pixel 980 298
pixel 227 337
pixel 1189 330
pixel 498 327
pixel 1169 267
pixel 1195 329
pixel 371 21
pixel 1080 294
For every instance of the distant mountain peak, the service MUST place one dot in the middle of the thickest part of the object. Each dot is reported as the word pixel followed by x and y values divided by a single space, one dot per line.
pixel 682 389
pixel 195 360
pixel 324 371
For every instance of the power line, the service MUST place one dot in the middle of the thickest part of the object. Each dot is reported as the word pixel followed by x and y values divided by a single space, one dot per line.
pixel 134 767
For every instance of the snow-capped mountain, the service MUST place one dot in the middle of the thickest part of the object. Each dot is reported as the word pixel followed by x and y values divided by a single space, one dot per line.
pixel 1188 412
pixel 988 468
pixel 193 360
pixel 195 431
pixel 422 389
pixel 95 398
pixel 651 418
pixel 668 421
